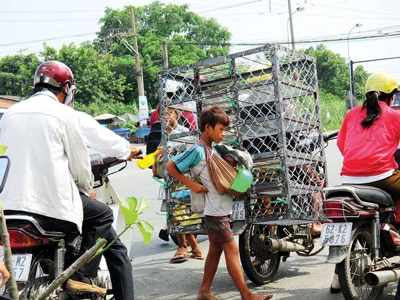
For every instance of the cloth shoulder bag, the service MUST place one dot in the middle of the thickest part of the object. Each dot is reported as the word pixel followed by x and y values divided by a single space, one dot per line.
pixel 222 174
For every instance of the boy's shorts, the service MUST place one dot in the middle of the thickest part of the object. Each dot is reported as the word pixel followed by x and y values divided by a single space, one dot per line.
pixel 219 229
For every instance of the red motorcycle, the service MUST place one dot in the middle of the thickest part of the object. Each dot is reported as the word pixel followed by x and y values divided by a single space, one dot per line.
pixel 363 239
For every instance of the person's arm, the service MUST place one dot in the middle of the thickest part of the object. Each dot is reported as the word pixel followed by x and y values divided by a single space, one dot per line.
pixel 174 172
pixel 104 140
pixel 78 155
pixel 4 273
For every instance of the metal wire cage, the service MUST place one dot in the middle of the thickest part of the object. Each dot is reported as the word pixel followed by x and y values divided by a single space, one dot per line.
pixel 270 94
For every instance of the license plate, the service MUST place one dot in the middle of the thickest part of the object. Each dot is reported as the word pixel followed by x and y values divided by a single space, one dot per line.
pixel 336 234
pixel 22 265
pixel 238 212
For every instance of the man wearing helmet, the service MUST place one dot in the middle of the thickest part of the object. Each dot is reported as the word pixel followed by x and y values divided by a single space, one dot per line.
pixel 369 138
pixel 50 175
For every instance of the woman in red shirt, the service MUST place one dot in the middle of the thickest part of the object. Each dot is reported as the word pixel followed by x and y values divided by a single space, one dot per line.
pixel 370 136
pixel 368 140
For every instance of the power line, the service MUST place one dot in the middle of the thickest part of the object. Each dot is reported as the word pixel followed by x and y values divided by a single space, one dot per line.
pixel 48 39
pixel 229 6
pixel 309 41
pixel 359 11
pixel 304 41
pixel 380 36
pixel 49 11
pixel 46 20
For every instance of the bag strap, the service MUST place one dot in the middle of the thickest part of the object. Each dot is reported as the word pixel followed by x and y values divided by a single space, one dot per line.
pixel 207 150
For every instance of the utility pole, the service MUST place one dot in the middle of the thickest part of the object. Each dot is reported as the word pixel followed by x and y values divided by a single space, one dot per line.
pixel 143 106
pixel 165 54
pixel 139 75
pixel 291 24
pixel 353 102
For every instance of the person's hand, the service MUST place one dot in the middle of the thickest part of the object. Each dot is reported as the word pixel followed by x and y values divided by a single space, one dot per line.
pixel 92 194
pixel 4 273
pixel 198 187
pixel 136 153
pixel 154 170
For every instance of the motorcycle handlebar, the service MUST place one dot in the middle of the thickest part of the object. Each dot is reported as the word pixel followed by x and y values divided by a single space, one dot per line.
pixel 331 136
pixel 100 165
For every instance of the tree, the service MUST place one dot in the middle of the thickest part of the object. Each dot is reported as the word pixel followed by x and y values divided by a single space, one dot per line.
pixel 360 77
pixel 331 69
pixel 190 38
pixel 333 72
pixel 96 82
pixel 16 74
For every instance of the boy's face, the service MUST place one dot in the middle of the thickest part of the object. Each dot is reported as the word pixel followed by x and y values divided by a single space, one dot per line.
pixel 217 133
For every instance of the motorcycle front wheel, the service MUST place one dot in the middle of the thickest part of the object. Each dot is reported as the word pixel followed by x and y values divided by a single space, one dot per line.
pixel 351 270
pixel 260 265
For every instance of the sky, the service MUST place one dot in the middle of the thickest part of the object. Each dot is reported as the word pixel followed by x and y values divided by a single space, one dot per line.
pixel 25 25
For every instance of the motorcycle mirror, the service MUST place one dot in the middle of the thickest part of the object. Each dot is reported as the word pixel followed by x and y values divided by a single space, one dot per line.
pixel 4 167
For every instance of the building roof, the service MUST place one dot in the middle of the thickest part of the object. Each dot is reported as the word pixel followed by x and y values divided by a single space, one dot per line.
pixel 6 101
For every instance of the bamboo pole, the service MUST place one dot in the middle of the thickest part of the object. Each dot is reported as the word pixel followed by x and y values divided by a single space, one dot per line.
pixel 72 269
pixel 5 238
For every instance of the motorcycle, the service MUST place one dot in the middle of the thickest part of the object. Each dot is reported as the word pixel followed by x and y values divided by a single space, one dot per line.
pixel 40 256
pixel 363 239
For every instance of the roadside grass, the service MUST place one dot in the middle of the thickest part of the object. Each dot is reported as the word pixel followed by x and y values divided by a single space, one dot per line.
pixel 333 111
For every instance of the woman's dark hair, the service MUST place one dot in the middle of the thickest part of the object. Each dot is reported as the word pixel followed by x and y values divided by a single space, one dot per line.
pixel 213 115
pixel 371 104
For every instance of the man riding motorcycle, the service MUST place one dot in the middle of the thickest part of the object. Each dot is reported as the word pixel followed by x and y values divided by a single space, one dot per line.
pixel 50 175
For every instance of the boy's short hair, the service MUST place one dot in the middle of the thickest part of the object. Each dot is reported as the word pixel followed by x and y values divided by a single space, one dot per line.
pixel 213 115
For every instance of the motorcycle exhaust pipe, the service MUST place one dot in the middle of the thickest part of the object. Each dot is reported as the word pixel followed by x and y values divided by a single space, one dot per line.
pixel 379 278
pixel 282 245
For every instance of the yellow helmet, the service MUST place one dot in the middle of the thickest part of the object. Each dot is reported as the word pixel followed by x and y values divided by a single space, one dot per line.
pixel 381 82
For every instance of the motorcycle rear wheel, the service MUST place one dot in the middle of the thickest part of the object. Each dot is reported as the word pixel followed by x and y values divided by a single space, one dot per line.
pixel 41 276
pixel 351 269
pixel 259 265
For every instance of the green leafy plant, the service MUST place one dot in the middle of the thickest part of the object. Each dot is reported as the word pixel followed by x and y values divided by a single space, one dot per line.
pixel 131 209
pixel 131 125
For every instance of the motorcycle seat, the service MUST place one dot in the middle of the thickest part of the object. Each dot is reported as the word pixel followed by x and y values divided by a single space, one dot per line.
pixel 366 193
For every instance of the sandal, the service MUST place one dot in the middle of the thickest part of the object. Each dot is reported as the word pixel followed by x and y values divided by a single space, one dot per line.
pixel 178 258
pixel 195 255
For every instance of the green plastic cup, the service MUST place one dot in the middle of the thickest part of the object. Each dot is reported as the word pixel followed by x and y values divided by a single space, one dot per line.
pixel 242 181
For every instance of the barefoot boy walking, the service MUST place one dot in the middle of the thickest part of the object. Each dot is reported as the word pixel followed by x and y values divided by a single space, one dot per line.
pixel 218 207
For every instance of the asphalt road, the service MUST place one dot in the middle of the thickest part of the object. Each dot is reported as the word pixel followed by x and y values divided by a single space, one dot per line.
pixel 299 278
